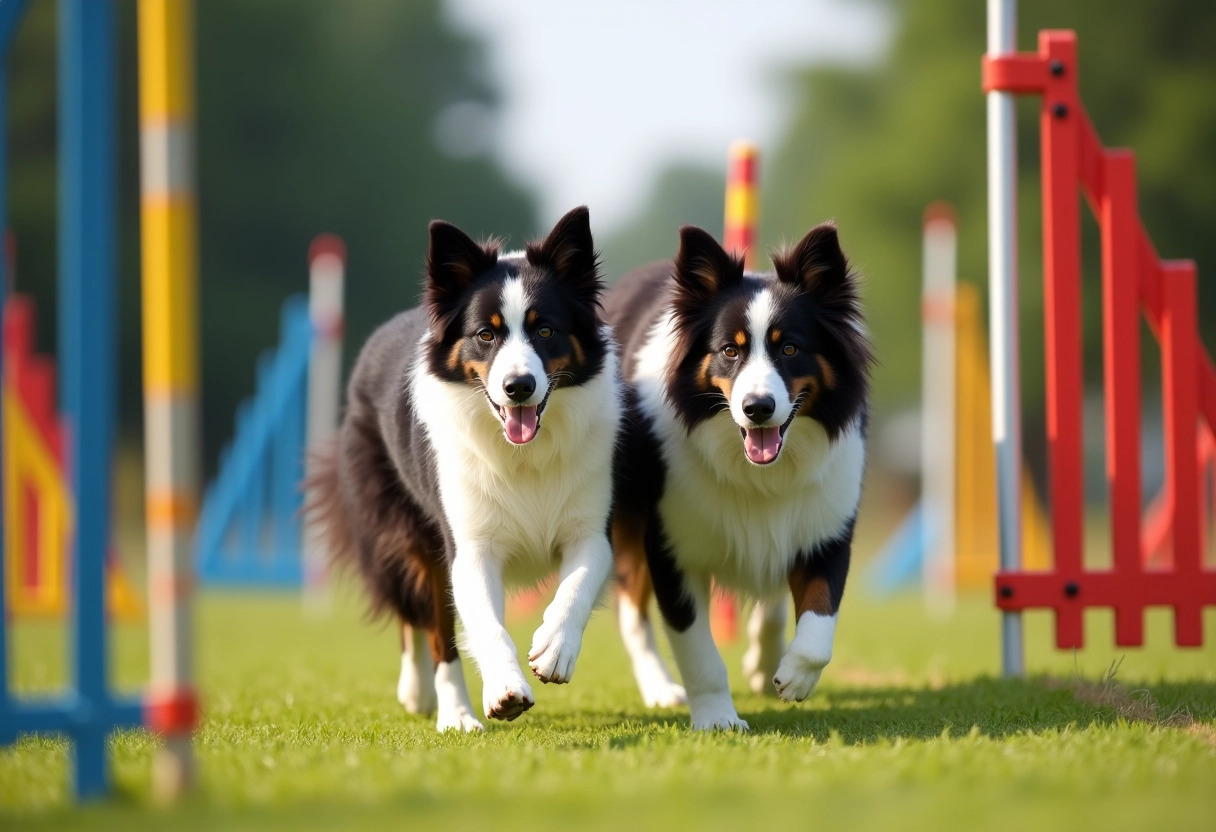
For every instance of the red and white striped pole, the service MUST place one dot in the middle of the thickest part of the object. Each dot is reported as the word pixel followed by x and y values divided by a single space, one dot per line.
pixel 742 201
pixel 738 238
pixel 326 274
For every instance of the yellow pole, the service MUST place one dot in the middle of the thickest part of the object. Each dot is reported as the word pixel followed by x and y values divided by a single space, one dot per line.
pixel 170 323
pixel 742 201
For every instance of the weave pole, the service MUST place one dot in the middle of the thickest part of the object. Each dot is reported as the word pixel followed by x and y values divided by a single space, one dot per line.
pixel 938 406
pixel 742 202
pixel 741 213
pixel 170 312
pixel 326 274
pixel 88 261
pixel 1003 321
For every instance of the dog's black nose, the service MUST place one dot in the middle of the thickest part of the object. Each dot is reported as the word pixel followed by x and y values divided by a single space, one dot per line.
pixel 759 408
pixel 518 389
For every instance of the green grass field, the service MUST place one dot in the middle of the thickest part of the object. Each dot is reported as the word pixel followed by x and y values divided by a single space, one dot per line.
pixel 910 728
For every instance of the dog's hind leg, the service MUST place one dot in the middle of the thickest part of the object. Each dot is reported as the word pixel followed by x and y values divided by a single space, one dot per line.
pixel 633 591
pixel 766 643
pixel 416 684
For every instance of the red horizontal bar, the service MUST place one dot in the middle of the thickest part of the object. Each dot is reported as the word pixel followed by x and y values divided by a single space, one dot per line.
pixel 1021 73
pixel 1047 590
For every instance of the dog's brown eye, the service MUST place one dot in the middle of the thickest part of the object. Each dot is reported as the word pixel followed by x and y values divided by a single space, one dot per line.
pixel 486 335
pixel 789 349
pixel 730 352
pixel 545 332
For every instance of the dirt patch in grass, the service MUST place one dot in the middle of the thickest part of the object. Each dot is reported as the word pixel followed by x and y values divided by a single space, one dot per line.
pixel 1133 705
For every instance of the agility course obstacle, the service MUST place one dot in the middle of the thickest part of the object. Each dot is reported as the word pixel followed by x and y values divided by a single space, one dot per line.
pixel 948 540
pixel 249 531
pixel 168 216
pixel 89 710
pixel 1134 280
pixel 740 220
pixel 37 500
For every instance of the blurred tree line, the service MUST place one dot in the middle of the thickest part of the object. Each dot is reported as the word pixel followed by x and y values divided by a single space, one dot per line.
pixel 366 119
pixel 872 145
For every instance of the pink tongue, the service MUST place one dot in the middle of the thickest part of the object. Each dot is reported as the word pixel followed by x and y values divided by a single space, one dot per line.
pixel 520 424
pixel 762 444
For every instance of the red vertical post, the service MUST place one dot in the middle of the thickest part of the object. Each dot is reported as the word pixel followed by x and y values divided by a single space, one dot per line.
pixel 1179 348
pixel 1060 120
pixel 1119 220
pixel 1203 465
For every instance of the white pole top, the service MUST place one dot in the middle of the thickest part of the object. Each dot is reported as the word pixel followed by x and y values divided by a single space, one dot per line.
pixel 326 272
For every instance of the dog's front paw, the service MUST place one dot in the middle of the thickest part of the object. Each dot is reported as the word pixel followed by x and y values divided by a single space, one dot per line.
pixel 715 713
pixel 553 653
pixel 809 654
pixel 506 699
pixel 798 675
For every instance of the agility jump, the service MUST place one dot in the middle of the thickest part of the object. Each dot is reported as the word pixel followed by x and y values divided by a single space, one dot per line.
pixel 1134 280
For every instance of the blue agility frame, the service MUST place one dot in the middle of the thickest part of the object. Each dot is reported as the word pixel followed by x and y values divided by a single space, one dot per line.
pixel 88 712
pixel 250 531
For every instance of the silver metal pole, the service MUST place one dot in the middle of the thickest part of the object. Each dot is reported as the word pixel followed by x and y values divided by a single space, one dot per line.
pixel 1003 320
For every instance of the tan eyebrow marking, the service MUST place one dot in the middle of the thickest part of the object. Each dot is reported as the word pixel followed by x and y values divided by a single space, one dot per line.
pixel 577 347
pixel 476 369
pixel 703 373
pixel 829 375
pixel 496 321
pixel 740 337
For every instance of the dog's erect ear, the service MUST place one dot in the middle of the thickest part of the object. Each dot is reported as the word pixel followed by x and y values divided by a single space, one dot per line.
pixel 816 263
pixel 569 251
pixel 703 268
pixel 817 266
pixel 452 261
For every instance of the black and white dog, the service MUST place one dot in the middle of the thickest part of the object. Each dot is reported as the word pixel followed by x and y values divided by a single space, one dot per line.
pixel 475 452
pixel 742 460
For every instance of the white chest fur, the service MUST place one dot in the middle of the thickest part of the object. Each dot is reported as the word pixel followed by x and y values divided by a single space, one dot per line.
pixel 740 522
pixel 523 503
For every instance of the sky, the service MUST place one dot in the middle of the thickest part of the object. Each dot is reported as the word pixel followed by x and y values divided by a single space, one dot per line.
pixel 599 96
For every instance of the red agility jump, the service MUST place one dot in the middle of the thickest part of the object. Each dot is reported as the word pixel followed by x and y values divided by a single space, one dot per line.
pixel 1133 280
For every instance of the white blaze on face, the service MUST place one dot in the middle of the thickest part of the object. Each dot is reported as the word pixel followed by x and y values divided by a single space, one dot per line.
pixel 516 358
pixel 762 440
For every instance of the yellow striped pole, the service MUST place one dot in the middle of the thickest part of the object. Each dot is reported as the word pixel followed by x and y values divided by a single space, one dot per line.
pixel 738 238
pixel 170 322
pixel 742 201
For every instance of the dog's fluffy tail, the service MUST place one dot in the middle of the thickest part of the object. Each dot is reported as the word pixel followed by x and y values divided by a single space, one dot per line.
pixel 323 506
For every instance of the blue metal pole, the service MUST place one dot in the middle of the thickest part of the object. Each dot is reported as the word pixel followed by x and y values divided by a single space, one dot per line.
pixel 87 313
pixel 11 12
